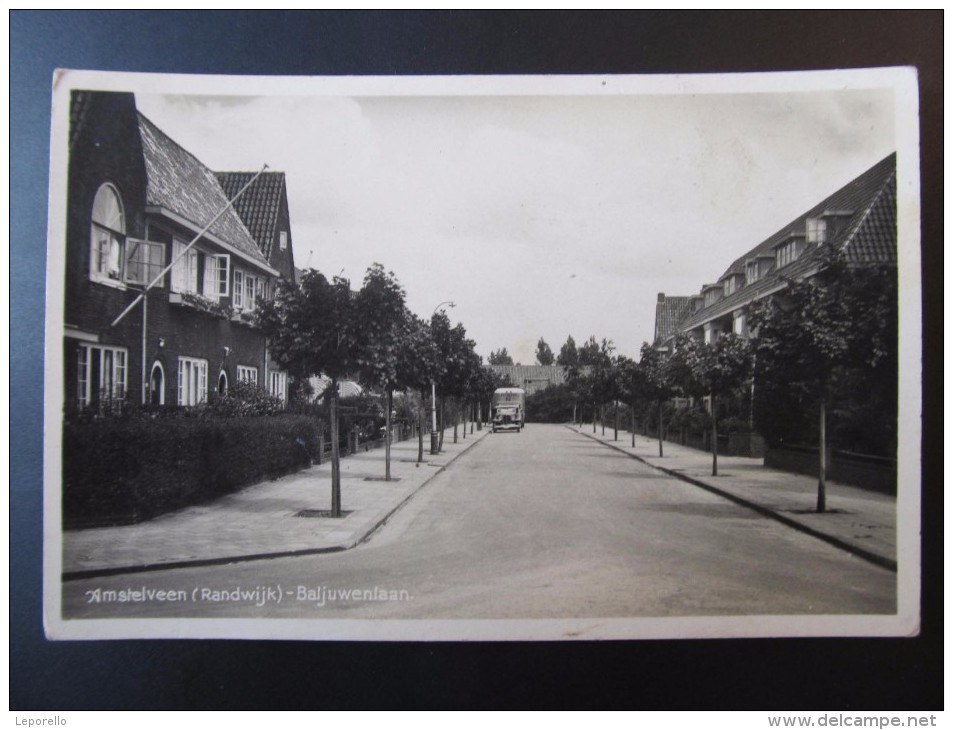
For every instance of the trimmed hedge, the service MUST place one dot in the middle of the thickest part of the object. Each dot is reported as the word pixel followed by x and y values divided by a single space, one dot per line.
pixel 125 470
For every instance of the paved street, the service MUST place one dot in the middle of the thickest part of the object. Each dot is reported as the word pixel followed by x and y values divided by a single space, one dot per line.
pixel 543 523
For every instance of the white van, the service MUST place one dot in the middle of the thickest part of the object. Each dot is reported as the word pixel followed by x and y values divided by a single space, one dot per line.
pixel 508 409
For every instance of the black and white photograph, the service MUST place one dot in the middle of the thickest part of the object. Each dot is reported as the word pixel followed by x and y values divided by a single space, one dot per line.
pixel 483 358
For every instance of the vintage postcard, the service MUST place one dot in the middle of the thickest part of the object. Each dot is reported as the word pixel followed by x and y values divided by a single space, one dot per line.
pixel 483 358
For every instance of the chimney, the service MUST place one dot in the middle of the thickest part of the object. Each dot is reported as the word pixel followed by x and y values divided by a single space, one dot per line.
pixel 661 297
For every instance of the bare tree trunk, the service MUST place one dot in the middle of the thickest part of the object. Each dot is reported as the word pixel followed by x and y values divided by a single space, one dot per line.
pixel 714 435
pixel 335 453
pixel 421 415
pixel 615 408
pixel 602 417
pixel 660 429
pixel 443 422
pixel 387 434
pixel 632 413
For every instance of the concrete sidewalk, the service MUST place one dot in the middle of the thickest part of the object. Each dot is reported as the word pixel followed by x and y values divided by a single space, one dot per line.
pixel 261 521
pixel 860 521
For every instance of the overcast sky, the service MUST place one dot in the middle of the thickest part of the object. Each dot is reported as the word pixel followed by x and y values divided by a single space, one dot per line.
pixel 539 216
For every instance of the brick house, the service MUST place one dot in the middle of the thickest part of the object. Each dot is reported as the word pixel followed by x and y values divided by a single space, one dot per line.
pixel 136 200
pixel 860 220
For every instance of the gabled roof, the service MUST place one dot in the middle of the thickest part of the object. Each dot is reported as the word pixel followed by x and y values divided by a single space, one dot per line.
pixel 668 313
pixel 260 206
pixel 178 182
pixel 869 237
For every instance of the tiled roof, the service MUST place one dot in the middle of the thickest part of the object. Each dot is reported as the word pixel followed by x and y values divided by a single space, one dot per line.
pixel 551 374
pixel 180 183
pixel 668 313
pixel 874 239
pixel 869 237
pixel 259 206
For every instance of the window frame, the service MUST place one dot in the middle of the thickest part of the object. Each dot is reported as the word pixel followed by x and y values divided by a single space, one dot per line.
pixel 195 371
pixel 242 371
pixel 246 294
pixel 118 378
pixel 786 254
pixel 278 384
pixel 105 231
pixel 185 269
pixel 153 269
pixel 815 230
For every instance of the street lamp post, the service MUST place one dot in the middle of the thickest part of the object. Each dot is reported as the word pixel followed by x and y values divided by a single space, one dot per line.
pixel 434 447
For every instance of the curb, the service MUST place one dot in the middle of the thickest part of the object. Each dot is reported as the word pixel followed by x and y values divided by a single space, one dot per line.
pixel 208 562
pixel 837 542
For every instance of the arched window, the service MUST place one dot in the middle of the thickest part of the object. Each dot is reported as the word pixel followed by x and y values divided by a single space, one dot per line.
pixel 222 383
pixel 157 385
pixel 108 236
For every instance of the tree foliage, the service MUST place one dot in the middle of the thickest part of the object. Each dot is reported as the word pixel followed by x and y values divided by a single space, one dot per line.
pixel 380 311
pixel 312 328
pixel 544 354
pixel 500 357
pixel 832 337
pixel 568 355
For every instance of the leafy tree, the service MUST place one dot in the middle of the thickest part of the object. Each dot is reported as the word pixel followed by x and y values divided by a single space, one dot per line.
pixel 417 367
pixel 820 334
pixel 592 378
pixel 553 404
pixel 656 380
pixel 500 357
pixel 633 387
pixel 594 353
pixel 456 356
pixel 313 329
pixel 544 355
pixel 568 355
pixel 715 369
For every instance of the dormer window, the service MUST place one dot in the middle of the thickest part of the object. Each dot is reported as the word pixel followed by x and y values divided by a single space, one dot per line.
pixel 816 230
pixel 712 294
pixel 732 284
pixel 283 240
pixel 789 249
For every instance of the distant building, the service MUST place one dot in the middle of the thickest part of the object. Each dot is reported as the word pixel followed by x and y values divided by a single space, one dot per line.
pixel 532 378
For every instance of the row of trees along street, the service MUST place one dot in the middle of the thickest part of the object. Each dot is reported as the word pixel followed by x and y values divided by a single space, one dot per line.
pixel 323 327
pixel 827 340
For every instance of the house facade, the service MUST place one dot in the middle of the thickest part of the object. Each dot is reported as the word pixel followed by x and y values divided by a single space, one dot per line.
pixel 162 275
pixel 859 220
